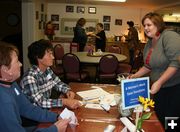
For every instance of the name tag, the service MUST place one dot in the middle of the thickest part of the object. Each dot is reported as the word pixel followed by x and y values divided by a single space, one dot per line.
pixel 48 76
pixel 17 92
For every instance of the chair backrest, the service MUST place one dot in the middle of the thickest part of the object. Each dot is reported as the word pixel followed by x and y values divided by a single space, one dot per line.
pixel 74 47
pixel 58 52
pixel 89 47
pixel 114 49
pixel 108 64
pixel 71 63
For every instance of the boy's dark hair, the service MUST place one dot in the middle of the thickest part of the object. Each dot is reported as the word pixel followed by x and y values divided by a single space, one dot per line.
pixel 37 50
pixel 101 25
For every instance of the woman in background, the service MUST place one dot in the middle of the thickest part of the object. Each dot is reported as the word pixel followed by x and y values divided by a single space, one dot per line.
pixel 100 37
pixel 160 60
pixel 80 36
pixel 49 30
pixel 133 40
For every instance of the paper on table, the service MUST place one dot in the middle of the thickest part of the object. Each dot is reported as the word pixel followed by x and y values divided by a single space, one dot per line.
pixel 95 87
pixel 93 106
pixel 67 114
pixel 108 99
pixel 92 94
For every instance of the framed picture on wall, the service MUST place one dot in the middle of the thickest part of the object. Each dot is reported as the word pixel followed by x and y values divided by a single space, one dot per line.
pixel 106 27
pixel 37 15
pixel 56 26
pixel 45 17
pixel 54 17
pixel 69 8
pixel 80 9
pixel 118 22
pixel 92 10
pixel 40 25
pixel 42 17
pixel 68 24
pixel 42 7
pixel 106 18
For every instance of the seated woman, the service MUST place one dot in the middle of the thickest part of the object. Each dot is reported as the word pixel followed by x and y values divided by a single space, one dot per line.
pixel 13 102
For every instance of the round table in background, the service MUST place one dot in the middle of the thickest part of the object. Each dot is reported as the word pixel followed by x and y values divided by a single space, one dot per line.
pixel 84 58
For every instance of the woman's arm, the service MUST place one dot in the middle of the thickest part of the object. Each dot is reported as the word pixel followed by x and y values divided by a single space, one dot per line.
pixel 169 72
pixel 144 70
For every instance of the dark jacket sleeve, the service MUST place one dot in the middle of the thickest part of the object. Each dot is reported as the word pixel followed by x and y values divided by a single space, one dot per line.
pixel 79 35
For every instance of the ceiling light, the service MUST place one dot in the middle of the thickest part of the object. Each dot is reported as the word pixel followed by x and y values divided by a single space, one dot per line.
pixel 114 0
pixel 176 14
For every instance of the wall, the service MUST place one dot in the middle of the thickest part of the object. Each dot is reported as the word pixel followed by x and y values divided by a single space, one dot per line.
pixel 40 16
pixel 114 11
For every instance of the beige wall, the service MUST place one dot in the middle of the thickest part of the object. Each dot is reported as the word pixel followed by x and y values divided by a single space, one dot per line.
pixel 114 11
pixel 39 33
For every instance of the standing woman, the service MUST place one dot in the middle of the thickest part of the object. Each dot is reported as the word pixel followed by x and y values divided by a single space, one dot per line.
pixel 80 36
pixel 49 30
pixel 100 37
pixel 133 40
pixel 160 59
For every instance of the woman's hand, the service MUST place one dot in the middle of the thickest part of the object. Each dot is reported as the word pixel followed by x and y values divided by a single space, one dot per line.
pixel 62 125
pixel 70 95
pixel 131 76
pixel 71 103
pixel 155 87
pixel 89 33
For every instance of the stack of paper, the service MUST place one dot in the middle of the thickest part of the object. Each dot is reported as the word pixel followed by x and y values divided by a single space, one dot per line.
pixel 92 94
pixel 105 98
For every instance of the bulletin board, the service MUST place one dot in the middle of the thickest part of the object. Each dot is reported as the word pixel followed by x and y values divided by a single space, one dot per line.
pixel 68 24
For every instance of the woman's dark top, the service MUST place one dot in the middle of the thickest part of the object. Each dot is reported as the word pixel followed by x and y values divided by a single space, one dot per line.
pixel 80 37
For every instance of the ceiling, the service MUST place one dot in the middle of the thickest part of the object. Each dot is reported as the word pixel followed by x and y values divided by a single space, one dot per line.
pixel 162 6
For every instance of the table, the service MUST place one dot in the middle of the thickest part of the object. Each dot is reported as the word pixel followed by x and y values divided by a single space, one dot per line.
pixel 95 59
pixel 92 120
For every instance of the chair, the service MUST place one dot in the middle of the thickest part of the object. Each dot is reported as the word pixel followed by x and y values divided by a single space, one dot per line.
pixel 114 49
pixel 58 55
pixel 74 47
pixel 71 66
pixel 122 67
pixel 107 68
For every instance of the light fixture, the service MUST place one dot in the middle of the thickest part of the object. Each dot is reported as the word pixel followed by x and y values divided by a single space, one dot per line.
pixel 176 14
pixel 114 0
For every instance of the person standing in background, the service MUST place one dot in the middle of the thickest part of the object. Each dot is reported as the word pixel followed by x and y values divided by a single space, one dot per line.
pixel 49 30
pixel 80 36
pixel 133 40
pixel 161 60
pixel 100 37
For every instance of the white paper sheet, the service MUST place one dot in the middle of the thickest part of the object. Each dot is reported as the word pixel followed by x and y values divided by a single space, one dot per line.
pixel 92 94
pixel 94 106
pixel 67 114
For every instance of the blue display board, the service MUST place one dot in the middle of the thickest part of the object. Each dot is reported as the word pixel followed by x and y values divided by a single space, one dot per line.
pixel 132 89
